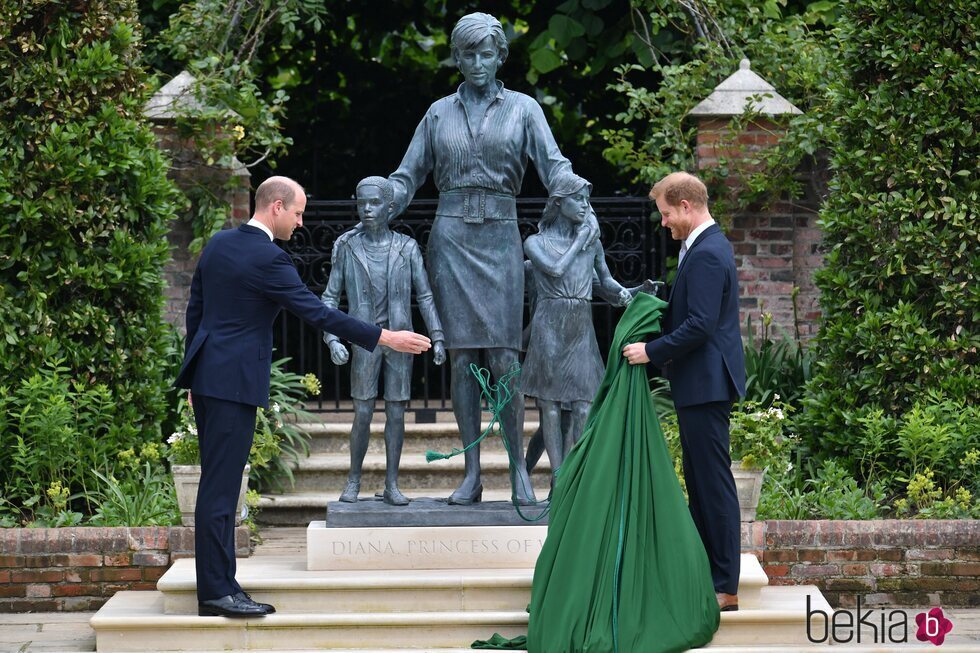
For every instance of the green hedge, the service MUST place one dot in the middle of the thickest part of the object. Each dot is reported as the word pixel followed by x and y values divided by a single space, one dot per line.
pixel 86 207
pixel 900 292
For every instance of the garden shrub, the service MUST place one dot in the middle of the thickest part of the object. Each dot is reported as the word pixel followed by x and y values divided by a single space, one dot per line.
pixel 82 246
pixel 899 294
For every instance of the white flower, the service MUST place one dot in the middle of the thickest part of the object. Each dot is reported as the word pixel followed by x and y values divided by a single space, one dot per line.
pixel 276 408
pixel 775 397
pixel 175 437
pixel 789 467
pixel 775 412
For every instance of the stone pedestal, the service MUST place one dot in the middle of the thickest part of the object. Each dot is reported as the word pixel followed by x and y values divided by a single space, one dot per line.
pixel 427 511
pixel 441 547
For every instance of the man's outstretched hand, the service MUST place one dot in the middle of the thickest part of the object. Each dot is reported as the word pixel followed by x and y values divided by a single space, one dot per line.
pixel 408 342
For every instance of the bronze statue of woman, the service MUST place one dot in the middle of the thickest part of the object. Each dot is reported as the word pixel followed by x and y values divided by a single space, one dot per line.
pixel 476 143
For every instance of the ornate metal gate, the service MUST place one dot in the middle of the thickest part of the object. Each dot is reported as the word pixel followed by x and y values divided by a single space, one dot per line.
pixel 635 249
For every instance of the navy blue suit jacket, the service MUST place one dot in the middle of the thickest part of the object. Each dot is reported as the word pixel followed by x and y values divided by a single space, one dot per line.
pixel 241 283
pixel 701 350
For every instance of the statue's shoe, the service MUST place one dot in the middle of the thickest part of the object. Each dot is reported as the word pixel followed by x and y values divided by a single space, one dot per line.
pixel 458 498
pixel 523 500
pixel 394 497
pixel 349 494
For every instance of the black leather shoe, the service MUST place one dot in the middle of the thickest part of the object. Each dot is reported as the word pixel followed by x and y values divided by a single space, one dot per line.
pixel 231 606
pixel 244 595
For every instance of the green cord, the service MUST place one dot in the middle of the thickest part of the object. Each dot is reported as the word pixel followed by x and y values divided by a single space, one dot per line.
pixel 497 396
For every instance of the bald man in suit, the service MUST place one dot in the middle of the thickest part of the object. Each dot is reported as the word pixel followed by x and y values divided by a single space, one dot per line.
pixel 242 281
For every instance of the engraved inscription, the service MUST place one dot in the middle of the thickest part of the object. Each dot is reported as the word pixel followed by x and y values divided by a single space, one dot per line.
pixel 436 547
pixel 351 548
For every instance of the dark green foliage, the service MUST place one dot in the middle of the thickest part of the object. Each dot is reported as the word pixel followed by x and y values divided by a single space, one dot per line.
pixel 900 292
pixel 695 46
pixel 775 367
pixel 82 244
pixel 273 463
pixel 830 493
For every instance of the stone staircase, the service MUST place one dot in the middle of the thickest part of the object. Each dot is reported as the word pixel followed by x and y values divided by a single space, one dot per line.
pixel 353 607
pixel 348 593
pixel 321 477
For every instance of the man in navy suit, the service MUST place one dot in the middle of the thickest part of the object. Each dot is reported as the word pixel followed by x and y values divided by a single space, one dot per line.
pixel 241 283
pixel 701 353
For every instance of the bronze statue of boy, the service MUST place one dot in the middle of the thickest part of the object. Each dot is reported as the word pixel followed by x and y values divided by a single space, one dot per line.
pixel 378 268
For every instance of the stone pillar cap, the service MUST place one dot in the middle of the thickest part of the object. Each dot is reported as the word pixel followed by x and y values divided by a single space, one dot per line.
pixel 740 92
pixel 177 97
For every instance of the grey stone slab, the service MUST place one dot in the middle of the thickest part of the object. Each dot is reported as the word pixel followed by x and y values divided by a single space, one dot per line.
pixel 427 511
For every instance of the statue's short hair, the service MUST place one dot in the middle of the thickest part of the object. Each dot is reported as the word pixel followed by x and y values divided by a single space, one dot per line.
pixel 566 188
pixel 276 188
pixel 678 186
pixel 473 28
pixel 387 190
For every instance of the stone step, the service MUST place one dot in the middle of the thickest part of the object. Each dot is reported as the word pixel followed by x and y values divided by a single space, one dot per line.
pixel 334 437
pixel 327 473
pixel 285 582
pixel 300 508
pixel 136 621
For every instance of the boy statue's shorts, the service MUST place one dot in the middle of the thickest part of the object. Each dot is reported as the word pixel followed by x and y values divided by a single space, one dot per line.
pixel 366 370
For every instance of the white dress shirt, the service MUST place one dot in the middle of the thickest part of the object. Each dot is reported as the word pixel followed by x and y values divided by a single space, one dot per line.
pixel 255 223
pixel 689 241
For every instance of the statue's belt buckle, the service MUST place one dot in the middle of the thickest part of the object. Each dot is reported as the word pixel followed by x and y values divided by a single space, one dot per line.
pixel 475 207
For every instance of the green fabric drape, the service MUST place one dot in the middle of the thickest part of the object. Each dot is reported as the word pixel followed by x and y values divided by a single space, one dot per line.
pixel 623 568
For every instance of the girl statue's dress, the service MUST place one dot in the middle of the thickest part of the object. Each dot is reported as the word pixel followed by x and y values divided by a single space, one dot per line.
pixel 563 361
pixel 623 568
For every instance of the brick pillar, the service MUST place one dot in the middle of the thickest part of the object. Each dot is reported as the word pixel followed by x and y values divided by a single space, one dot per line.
pixel 187 168
pixel 776 248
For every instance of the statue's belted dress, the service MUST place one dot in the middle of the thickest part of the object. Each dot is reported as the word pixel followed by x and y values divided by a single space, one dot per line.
pixel 474 253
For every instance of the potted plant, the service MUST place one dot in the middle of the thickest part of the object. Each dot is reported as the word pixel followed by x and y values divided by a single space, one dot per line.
pixel 185 465
pixel 758 444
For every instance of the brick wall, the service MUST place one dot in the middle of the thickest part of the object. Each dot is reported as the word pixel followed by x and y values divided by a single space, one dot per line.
pixel 79 569
pixel 896 563
pixel 776 248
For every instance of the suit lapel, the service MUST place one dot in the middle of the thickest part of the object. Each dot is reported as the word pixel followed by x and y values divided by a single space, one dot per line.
pixel 687 257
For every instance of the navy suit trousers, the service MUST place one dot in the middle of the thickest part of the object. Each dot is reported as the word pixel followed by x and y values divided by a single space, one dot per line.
pixel 225 430
pixel 711 488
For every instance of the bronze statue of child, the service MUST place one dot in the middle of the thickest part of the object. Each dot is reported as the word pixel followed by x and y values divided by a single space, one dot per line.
pixel 563 366
pixel 377 268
